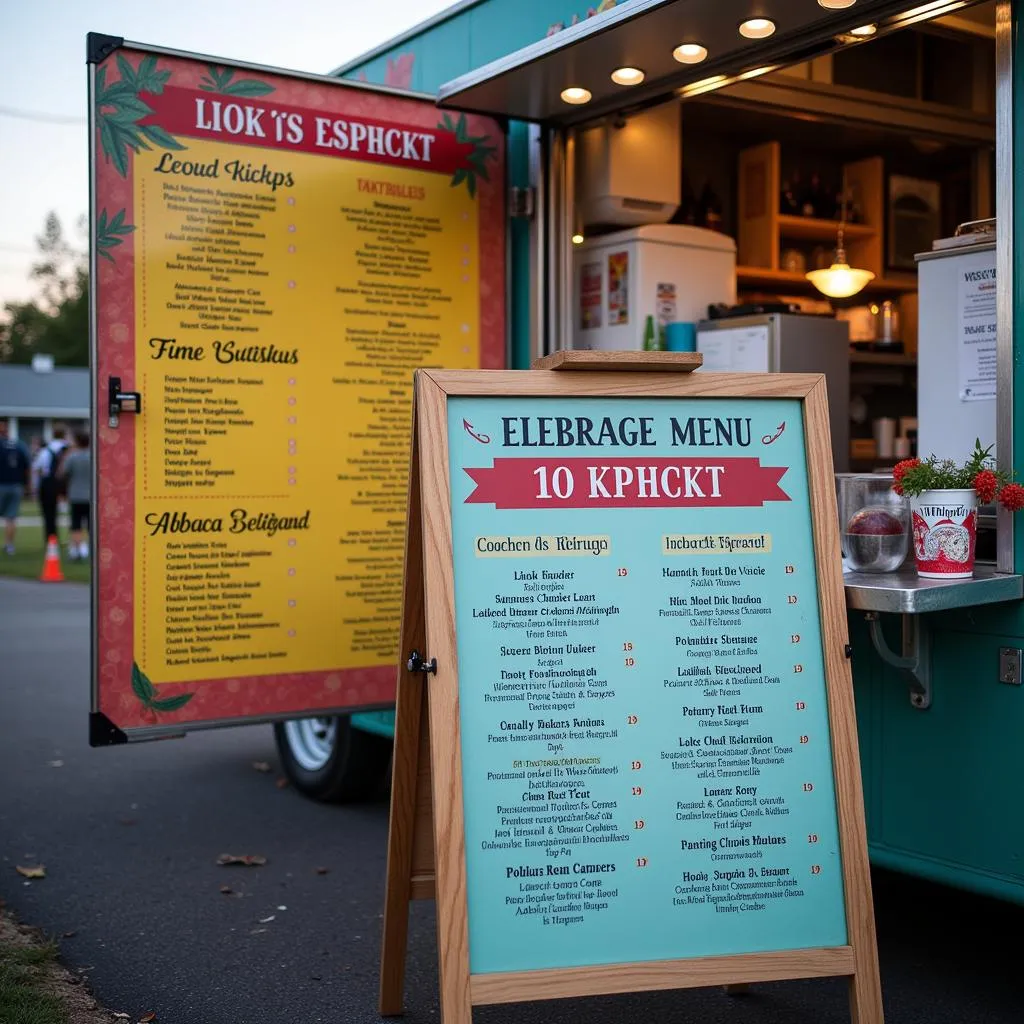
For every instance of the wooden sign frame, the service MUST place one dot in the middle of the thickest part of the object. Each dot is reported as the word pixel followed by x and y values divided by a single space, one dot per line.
pixel 426 853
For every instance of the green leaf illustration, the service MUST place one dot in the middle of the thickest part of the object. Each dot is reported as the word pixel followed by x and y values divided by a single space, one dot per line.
pixel 223 80
pixel 171 703
pixel 107 232
pixel 157 135
pixel 479 167
pixel 131 108
pixel 476 159
pixel 146 692
pixel 110 96
pixel 248 87
pixel 127 71
pixel 112 149
pixel 120 108
pixel 143 688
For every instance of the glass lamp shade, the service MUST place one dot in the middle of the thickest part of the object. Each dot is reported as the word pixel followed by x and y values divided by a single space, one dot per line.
pixel 839 281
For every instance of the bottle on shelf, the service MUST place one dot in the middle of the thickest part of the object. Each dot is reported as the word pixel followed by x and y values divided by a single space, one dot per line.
pixel 846 208
pixel 797 188
pixel 710 208
pixel 650 335
pixel 787 200
pixel 828 205
pixel 810 202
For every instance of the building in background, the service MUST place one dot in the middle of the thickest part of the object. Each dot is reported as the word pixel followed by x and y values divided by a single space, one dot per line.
pixel 33 398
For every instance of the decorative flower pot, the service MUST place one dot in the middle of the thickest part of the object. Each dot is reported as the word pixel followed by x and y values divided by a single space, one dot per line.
pixel 945 526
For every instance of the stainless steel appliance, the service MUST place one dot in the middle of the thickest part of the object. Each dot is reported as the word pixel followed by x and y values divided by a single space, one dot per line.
pixel 787 343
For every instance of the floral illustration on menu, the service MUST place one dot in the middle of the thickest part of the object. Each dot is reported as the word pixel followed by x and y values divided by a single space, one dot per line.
pixel 120 109
pixel 476 156
pixel 223 80
pixel 144 689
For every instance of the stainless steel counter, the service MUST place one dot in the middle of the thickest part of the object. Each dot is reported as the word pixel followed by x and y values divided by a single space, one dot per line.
pixel 904 592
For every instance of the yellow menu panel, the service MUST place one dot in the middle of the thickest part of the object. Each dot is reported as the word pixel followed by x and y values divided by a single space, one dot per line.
pixel 282 301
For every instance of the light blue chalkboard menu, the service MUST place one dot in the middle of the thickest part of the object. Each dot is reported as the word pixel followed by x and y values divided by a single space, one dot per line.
pixel 647 769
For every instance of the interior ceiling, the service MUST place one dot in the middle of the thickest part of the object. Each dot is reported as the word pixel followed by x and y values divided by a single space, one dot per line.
pixel 527 85
pixel 712 116
pixel 983 14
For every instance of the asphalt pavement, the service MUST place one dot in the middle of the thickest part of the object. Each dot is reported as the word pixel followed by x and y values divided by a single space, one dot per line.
pixel 130 838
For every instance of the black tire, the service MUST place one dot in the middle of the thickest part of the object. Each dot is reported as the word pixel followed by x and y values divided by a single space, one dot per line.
pixel 353 770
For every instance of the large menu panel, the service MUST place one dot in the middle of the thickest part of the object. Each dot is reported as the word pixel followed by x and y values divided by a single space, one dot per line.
pixel 276 256
pixel 646 757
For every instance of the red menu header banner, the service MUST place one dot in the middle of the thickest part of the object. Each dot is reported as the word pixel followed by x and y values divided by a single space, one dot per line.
pixel 263 122
pixel 630 483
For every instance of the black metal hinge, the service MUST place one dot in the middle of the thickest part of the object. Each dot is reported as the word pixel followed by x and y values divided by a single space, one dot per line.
pixel 416 663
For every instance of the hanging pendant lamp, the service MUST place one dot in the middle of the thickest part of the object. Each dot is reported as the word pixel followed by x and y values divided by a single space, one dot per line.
pixel 840 280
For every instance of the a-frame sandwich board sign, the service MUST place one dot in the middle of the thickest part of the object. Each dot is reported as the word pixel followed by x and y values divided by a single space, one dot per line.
pixel 626 753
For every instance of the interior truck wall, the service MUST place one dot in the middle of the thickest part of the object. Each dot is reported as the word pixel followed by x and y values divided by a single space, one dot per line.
pixel 941 786
pixel 475 34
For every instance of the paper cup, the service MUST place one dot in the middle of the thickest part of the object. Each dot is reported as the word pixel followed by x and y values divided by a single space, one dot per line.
pixel 681 337
pixel 945 525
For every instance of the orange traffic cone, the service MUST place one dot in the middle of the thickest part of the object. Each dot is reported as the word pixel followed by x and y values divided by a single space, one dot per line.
pixel 51 566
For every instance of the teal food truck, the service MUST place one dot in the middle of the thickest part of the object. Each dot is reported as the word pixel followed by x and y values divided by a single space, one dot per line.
pixel 683 171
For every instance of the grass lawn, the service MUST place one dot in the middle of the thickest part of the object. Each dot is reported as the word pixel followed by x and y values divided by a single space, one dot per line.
pixel 27 561
pixel 26 995
pixel 35 988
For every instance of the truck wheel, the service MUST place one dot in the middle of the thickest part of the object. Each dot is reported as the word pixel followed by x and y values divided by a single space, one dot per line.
pixel 327 759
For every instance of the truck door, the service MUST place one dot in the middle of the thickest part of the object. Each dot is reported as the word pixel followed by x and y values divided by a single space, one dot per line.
pixel 272 255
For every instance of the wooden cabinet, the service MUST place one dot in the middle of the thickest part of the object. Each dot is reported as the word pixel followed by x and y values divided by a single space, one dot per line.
pixel 764 232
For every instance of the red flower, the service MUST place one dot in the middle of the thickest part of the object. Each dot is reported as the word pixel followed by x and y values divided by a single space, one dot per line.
pixel 986 484
pixel 1011 497
pixel 900 471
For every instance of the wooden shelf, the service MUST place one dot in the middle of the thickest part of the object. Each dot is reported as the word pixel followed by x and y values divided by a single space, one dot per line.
pixel 813 229
pixel 874 462
pixel 765 277
pixel 882 358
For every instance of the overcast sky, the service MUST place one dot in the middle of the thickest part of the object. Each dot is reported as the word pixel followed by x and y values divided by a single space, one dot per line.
pixel 43 157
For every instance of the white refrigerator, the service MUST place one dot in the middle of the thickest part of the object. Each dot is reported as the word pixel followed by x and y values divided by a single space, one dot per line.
pixel 667 271
pixel 787 343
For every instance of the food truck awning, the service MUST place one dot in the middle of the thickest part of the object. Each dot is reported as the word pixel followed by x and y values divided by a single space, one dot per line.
pixel 642 34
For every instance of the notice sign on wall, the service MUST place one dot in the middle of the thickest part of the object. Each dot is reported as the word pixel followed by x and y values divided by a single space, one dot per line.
pixel 642 738
pixel 976 348
pixel 275 256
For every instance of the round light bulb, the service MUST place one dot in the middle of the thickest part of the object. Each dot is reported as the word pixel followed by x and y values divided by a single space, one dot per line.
pixel 757 28
pixel 627 76
pixel 690 53
pixel 839 281
pixel 836 5
pixel 576 94
pixel 577 239
pixel 864 31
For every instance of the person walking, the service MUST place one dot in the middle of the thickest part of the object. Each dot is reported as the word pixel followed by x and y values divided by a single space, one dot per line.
pixel 14 476
pixel 76 474
pixel 47 467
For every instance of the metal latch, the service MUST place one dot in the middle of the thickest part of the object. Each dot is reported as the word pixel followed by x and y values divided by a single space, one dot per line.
pixel 1009 666
pixel 119 401
pixel 521 202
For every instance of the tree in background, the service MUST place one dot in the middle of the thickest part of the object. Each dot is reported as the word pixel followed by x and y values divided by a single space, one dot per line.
pixel 56 322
